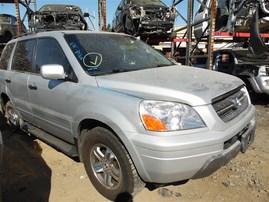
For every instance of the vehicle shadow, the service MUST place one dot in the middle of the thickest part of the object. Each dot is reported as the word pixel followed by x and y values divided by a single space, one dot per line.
pixel 24 176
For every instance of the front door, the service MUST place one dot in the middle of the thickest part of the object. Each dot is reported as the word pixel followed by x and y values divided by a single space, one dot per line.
pixel 49 98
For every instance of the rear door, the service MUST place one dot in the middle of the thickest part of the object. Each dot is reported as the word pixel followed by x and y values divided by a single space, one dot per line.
pixel 49 98
pixel 18 76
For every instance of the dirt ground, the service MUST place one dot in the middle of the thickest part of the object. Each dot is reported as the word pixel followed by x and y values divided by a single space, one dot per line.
pixel 35 172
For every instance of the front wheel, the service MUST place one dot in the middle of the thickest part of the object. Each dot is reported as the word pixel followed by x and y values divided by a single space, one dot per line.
pixel 108 165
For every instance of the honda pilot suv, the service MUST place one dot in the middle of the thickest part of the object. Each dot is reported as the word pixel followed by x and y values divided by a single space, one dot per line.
pixel 131 116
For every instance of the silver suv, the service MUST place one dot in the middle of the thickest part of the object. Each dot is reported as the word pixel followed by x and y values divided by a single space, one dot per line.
pixel 132 116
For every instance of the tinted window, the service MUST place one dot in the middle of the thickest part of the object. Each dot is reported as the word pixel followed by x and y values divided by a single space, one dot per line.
pixel 6 55
pixel 23 56
pixel 50 52
pixel 108 53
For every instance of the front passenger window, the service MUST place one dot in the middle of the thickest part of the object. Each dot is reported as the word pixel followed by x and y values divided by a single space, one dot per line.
pixel 50 52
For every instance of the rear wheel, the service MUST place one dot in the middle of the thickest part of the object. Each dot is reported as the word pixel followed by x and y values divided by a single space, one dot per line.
pixel 12 117
pixel 108 165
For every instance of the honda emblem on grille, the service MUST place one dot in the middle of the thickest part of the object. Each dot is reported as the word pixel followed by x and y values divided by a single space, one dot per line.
pixel 236 102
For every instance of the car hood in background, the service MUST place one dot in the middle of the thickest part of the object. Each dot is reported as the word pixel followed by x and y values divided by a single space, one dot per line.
pixel 189 85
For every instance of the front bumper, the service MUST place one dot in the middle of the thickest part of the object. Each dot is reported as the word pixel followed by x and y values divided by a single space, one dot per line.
pixel 156 25
pixel 194 154
pixel 242 143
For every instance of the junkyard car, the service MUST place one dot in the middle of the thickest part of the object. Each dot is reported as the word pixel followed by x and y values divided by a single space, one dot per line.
pixel 144 18
pixel 58 16
pixel 8 27
pixel 241 63
pixel 232 16
pixel 129 114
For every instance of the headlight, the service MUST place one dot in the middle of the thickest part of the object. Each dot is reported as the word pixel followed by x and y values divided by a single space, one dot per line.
pixel 168 116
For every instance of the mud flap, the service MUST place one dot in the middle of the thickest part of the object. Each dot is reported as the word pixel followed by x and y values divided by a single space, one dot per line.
pixel 256 43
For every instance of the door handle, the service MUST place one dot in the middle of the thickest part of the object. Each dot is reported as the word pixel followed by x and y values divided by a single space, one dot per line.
pixel 8 80
pixel 32 86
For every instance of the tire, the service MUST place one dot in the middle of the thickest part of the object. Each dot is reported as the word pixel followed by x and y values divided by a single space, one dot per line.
pixel 12 117
pixel 108 165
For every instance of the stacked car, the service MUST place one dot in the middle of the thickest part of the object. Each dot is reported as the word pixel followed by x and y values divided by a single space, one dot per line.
pixel 8 27
pixel 58 16
pixel 144 18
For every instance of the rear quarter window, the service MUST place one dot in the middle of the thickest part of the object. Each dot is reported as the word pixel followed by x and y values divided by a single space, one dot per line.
pixel 5 57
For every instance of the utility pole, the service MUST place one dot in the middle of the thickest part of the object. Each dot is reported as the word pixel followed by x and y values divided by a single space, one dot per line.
pixel 18 16
pixel 189 32
pixel 212 32
pixel 102 14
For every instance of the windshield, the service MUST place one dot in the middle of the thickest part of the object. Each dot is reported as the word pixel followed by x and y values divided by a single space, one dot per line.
pixel 148 2
pixel 101 54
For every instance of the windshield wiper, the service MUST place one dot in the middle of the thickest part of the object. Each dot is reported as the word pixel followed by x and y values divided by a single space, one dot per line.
pixel 111 72
pixel 120 70
pixel 164 65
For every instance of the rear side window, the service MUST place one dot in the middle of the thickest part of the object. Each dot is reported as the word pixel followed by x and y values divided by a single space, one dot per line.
pixel 50 52
pixel 5 57
pixel 23 56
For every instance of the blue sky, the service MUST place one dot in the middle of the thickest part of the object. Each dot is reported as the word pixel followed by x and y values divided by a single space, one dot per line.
pixel 91 5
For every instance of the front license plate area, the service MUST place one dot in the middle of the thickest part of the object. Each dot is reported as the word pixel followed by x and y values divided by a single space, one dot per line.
pixel 246 140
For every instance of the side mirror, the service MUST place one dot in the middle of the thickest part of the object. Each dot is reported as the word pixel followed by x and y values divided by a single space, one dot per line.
pixel 52 72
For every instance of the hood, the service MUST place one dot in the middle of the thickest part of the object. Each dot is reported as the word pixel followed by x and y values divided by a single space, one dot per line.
pixel 184 84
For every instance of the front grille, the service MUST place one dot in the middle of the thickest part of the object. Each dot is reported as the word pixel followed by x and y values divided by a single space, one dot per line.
pixel 230 105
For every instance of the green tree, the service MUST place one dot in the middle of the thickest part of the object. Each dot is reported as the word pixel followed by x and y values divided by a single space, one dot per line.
pixel 108 28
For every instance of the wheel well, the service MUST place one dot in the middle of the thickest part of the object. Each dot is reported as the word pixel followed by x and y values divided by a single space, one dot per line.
pixel 244 77
pixel 4 100
pixel 7 36
pixel 90 124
